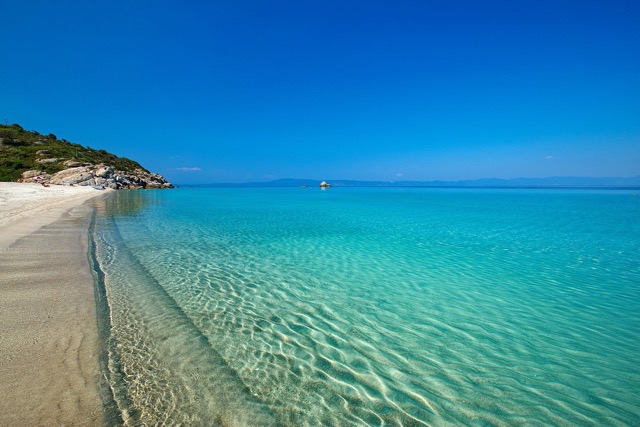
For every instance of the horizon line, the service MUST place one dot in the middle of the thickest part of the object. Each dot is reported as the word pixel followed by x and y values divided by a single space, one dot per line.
pixel 520 182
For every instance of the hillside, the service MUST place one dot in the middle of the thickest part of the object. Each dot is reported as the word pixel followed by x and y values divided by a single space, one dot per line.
pixel 26 154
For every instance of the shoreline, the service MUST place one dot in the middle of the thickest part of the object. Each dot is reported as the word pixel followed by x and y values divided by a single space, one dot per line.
pixel 49 351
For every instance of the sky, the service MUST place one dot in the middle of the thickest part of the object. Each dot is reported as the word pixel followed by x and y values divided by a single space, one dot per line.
pixel 239 91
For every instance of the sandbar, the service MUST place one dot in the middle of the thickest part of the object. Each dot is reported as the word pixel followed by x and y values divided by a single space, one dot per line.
pixel 49 361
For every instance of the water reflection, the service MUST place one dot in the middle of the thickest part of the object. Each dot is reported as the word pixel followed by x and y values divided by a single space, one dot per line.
pixel 127 203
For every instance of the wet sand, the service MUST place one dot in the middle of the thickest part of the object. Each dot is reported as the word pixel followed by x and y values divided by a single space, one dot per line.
pixel 49 370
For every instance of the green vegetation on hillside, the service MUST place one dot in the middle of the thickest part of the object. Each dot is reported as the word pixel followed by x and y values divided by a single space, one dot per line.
pixel 19 151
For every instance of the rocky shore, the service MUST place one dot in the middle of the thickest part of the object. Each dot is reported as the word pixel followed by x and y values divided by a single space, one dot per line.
pixel 29 156
pixel 87 174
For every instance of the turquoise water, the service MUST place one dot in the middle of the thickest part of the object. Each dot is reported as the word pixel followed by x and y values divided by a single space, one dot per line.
pixel 400 307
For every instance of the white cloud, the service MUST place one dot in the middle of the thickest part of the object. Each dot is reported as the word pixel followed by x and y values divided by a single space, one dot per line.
pixel 549 158
pixel 185 169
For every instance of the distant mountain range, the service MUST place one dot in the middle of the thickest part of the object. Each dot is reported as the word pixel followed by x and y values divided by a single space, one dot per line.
pixel 552 182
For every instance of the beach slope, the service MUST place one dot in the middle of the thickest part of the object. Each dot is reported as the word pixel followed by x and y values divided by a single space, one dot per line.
pixel 49 371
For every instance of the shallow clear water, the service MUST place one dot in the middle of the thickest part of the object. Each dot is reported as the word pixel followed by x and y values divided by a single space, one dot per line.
pixel 373 306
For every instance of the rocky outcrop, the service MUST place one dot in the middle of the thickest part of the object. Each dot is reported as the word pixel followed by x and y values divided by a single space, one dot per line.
pixel 30 175
pixel 46 161
pixel 100 175
pixel 76 176
pixel 74 164
pixel 34 156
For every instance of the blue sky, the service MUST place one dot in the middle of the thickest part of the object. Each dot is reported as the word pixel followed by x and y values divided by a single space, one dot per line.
pixel 235 91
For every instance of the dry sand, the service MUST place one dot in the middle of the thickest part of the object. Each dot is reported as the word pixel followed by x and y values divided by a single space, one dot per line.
pixel 49 368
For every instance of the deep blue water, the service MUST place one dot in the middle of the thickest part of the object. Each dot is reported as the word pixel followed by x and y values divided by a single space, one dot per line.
pixel 291 306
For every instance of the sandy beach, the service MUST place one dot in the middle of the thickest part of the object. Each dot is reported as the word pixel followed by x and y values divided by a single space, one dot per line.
pixel 49 371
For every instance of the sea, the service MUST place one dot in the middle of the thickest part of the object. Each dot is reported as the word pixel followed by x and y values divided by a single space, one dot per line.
pixel 369 306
